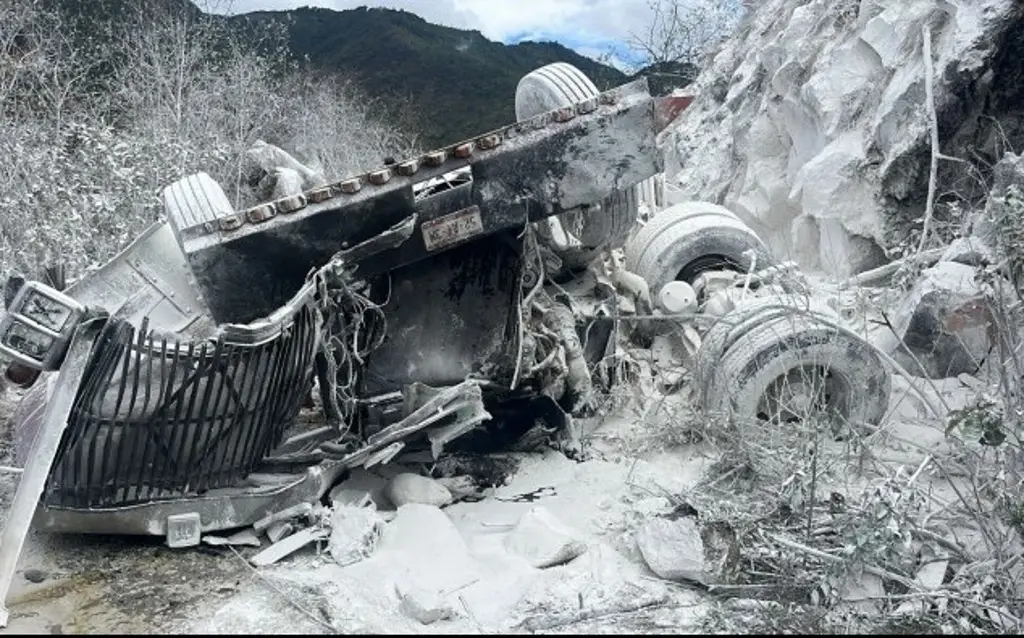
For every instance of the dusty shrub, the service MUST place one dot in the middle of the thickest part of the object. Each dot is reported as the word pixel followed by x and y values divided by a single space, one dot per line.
pixel 94 128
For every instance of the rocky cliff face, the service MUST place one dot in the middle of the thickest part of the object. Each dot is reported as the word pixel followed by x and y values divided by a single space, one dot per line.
pixel 812 122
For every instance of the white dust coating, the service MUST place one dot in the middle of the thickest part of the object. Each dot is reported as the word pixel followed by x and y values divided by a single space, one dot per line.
pixel 412 488
pixel 355 533
pixel 543 540
pixel 459 559
pixel 805 123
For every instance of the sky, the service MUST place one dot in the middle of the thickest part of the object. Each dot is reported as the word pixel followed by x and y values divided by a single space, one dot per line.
pixel 590 27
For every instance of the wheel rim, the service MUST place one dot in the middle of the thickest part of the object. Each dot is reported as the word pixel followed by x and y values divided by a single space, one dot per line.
pixel 692 270
pixel 808 391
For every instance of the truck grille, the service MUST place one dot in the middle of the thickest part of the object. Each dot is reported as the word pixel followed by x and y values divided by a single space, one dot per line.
pixel 159 419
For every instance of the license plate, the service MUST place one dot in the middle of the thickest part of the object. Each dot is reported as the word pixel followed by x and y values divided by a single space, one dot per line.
pixel 452 228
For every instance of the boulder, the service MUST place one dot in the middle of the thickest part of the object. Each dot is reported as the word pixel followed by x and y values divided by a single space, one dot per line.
pixel 1003 201
pixel 946 322
pixel 355 533
pixel 421 549
pixel 287 183
pixel 412 488
pixel 969 251
pixel 674 549
pixel 543 540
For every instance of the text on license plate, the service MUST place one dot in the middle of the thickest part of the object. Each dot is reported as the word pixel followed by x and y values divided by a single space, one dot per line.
pixel 452 228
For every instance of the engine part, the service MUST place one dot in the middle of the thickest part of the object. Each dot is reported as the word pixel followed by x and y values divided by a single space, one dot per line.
pixel 677 297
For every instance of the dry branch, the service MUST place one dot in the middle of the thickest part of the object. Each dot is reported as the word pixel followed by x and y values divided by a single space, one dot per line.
pixel 871 569
pixel 933 125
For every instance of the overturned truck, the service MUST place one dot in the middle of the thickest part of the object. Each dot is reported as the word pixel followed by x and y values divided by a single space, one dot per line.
pixel 410 294
pixel 413 297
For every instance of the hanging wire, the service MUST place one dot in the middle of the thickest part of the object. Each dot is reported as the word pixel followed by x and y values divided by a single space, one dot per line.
pixel 352 327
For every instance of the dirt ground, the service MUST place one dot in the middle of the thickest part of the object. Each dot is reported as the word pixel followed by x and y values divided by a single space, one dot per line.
pixel 94 584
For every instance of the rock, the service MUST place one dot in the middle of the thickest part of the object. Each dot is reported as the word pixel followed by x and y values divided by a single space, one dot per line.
pixel 810 122
pixel 969 251
pixel 287 183
pixel 845 238
pixel 543 540
pixel 270 158
pixel 422 549
pixel 674 550
pixel 34 575
pixel 412 488
pixel 932 574
pixel 413 523
pixel 355 533
pixel 864 592
pixel 422 605
pixel 946 321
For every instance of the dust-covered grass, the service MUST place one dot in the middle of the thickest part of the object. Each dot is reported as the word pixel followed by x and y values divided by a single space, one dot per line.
pixel 99 114
pixel 911 525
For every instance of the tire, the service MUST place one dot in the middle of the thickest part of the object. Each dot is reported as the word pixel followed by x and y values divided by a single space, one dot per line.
pixel 193 201
pixel 680 244
pixel 757 367
pixel 749 314
pixel 551 87
pixel 597 231
pixel 668 217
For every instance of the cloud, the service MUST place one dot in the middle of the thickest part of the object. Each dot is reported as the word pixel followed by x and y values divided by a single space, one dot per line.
pixel 584 25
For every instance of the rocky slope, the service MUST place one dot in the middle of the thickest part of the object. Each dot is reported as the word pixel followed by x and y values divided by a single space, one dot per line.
pixel 812 122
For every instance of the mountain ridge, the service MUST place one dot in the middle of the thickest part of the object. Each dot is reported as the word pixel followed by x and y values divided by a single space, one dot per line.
pixel 458 82
pixel 447 84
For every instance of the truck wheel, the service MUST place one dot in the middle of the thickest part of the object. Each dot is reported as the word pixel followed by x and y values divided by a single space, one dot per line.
pixel 596 231
pixel 590 233
pixel 679 245
pixel 749 314
pixel 798 367
pixel 662 221
pixel 551 87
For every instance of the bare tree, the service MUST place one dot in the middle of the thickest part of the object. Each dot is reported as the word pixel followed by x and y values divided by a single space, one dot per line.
pixel 94 123
pixel 680 32
pixel 41 71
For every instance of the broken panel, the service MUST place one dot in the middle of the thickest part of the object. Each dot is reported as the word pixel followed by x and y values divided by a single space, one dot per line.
pixel 150 278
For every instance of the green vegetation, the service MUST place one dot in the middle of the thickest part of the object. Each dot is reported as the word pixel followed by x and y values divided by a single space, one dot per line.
pixel 453 83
